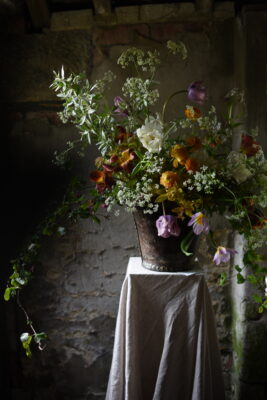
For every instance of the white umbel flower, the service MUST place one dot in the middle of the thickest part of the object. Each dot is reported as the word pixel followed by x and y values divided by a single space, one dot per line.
pixel 151 134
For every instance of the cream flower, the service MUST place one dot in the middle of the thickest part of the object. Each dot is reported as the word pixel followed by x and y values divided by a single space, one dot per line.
pixel 151 134
pixel 236 166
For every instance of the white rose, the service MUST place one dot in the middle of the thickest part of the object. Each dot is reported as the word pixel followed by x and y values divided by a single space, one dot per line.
pixel 151 134
pixel 236 165
pixel 240 173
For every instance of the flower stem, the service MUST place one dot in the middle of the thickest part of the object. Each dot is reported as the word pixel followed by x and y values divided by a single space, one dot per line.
pixel 212 239
pixel 163 208
pixel 168 100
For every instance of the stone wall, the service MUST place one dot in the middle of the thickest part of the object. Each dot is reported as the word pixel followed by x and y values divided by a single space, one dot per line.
pixel 74 295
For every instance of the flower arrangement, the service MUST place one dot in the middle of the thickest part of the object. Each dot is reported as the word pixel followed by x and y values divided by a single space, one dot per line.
pixel 189 162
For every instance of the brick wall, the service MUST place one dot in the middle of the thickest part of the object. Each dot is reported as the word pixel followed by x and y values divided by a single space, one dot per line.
pixel 75 292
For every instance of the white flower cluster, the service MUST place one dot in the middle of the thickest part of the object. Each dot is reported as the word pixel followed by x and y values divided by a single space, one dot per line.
pixel 236 95
pixel 257 161
pixel 154 163
pixel 177 48
pixel 237 216
pixel 139 93
pixel 210 123
pixel 257 238
pixel 203 181
pixel 133 197
pixel 147 61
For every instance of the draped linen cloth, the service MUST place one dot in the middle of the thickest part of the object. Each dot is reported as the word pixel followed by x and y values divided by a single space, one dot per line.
pixel 165 340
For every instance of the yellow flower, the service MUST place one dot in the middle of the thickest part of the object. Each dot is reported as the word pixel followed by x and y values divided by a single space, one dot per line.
pixel 174 193
pixel 125 158
pixel 97 176
pixel 186 207
pixel 192 113
pixel 168 179
pixel 180 155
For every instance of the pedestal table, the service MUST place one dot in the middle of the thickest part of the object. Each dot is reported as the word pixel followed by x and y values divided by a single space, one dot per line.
pixel 165 340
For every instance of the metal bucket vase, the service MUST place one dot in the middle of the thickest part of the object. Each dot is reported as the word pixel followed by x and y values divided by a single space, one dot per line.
pixel 158 253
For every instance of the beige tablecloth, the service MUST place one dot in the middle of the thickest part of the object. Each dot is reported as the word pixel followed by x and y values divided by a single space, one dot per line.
pixel 165 342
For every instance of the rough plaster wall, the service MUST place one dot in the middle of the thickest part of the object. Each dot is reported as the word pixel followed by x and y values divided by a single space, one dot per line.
pixel 250 335
pixel 75 293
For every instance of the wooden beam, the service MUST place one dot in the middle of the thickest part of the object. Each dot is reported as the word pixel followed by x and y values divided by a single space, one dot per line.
pixel 102 7
pixel 204 5
pixel 39 12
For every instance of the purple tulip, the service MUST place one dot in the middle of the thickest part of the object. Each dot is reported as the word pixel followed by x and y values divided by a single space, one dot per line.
pixel 200 223
pixel 120 104
pixel 223 255
pixel 167 226
pixel 197 92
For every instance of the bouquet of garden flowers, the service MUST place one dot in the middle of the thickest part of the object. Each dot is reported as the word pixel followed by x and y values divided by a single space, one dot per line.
pixel 146 160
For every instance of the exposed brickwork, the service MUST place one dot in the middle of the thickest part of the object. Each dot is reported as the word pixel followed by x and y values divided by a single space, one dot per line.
pixel 75 293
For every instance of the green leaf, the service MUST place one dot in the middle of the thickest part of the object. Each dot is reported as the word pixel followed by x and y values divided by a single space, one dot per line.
pixel 7 294
pixel 26 339
pixel 161 197
pixel 137 168
pixel 95 219
pixel 260 309
pixel 47 231
pixel 252 279
pixel 139 154
pixel 237 268
pixel 240 278
pixel 40 336
pixel 223 279
pixel 186 242
pixel 257 298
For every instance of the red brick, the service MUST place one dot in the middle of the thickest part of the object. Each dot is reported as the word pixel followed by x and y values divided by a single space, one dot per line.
pixel 164 32
pixel 172 31
pixel 140 30
pixel 112 36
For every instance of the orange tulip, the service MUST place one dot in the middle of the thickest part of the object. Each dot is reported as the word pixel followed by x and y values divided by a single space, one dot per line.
pixel 168 179
pixel 191 165
pixel 194 142
pixel 97 176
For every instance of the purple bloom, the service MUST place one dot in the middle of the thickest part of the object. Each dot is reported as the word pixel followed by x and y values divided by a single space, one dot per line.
pixel 120 104
pixel 167 226
pixel 223 255
pixel 200 223
pixel 197 92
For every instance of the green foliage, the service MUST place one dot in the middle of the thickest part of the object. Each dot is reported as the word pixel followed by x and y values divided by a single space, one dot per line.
pixel 83 107
pixel 223 279
pixel 26 339
pixel 146 160
pixel 74 205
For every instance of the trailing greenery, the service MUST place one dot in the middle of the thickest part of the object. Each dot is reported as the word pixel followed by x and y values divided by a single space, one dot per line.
pixel 146 160
pixel 74 206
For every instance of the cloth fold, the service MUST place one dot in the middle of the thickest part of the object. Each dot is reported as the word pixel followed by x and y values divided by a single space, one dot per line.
pixel 165 341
